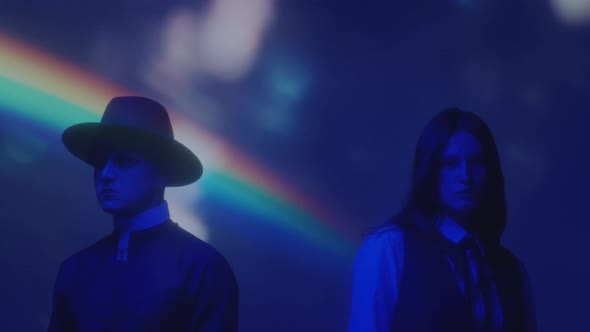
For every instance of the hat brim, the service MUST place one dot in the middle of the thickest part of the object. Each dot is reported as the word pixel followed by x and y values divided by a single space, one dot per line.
pixel 86 140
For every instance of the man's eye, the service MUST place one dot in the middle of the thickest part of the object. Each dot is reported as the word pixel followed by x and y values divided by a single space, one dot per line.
pixel 126 161
pixel 99 161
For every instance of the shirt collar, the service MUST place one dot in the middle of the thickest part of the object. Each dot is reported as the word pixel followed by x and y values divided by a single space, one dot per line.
pixel 146 219
pixel 451 230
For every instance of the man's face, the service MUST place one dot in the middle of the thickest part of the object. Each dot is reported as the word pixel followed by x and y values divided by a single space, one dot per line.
pixel 463 174
pixel 126 183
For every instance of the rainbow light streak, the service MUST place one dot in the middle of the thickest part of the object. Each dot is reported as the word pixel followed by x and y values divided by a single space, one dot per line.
pixel 43 89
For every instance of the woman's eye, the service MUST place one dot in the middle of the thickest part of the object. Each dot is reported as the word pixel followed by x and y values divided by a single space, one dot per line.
pixel 478 162
pixel 450 162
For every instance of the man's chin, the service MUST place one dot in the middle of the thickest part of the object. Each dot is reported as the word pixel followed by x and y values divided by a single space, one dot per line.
pixel 111 208
pixel 118 210
pixel 110 211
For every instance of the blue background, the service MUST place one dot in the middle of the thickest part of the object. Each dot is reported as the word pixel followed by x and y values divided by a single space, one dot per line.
pixel 333 103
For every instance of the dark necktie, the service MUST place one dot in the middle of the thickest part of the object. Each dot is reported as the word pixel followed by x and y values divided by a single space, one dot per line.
pixel 479 286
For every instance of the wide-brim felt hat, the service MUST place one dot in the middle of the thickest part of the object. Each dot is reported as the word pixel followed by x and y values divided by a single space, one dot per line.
pixel 141 125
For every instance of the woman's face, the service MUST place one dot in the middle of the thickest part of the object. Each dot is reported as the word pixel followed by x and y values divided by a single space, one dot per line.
pixel 463 174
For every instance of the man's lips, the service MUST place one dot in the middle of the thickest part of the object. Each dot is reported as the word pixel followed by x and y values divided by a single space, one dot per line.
pixel 108 191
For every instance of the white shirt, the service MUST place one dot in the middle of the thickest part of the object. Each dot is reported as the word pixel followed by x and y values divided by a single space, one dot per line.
pixel 378 268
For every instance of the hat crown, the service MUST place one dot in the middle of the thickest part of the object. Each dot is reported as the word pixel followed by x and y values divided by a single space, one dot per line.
pixel 139 113
pixel 136 123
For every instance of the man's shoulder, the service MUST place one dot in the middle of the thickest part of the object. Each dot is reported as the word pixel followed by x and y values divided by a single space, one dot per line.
pixel 191 241
pixel 68 265
pixel 89 250
pixel 198 249
pixel 204 259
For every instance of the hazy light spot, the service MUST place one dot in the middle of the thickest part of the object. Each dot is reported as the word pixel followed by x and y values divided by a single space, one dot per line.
pixel 181 201
pixel 221 43
pixel 572 12
pixel 232 34
pixel 22 146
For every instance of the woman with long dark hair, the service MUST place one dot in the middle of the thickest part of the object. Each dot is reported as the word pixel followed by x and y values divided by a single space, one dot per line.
pixel 438 264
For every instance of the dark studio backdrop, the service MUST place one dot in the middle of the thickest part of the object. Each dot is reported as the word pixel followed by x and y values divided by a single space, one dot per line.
pixel 305 114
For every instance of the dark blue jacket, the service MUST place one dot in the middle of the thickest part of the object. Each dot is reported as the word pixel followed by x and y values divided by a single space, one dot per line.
pixel 171 281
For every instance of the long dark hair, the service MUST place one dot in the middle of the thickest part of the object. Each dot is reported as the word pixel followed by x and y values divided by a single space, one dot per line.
pixel 422 202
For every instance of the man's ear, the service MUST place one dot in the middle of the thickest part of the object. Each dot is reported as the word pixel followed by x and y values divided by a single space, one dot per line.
pixel 158 174
pixel 161 181
pixel 158 167
pixel 164 177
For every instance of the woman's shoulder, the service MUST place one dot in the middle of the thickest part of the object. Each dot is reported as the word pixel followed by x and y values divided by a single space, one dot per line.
pixel 387 230
pixel 384 237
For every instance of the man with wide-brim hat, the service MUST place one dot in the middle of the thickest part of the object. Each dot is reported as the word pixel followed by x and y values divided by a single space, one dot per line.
pixel 148 274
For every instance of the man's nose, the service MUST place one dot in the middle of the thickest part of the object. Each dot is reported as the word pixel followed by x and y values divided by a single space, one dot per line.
pixel 107 172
